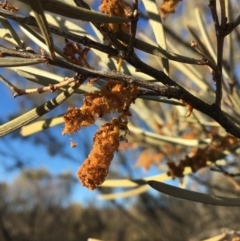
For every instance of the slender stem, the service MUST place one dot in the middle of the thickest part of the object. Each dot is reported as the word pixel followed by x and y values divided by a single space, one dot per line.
pixel 52 88
pixel 223 13
pixel 134 22
pixel 217 73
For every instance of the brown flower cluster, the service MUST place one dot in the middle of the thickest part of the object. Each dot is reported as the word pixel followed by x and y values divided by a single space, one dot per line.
pixel 168 6
pixel 113 97
pixel 106 141
pixel 115 8
pixel 201 156
pixel 76 53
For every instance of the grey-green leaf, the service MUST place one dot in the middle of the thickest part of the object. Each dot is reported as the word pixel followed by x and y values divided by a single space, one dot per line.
pixel 13 62
pixel 74 12
pixel 35 113
pixel 194 196
pixel 42 23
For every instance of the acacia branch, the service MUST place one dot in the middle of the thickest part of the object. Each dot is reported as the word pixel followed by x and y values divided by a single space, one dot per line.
pixel 179 92
pixel 171 90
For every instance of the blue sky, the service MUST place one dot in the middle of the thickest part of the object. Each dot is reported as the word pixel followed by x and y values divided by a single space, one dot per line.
pixel 37 156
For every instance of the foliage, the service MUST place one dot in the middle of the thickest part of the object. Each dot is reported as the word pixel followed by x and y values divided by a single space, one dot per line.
pixel 184 116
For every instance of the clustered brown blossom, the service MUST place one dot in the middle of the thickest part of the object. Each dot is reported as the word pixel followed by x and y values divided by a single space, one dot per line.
pixel 113 97
pixel 198 160
pixel 168 6
pixel 115 8
pixel 76 53
pixel 106 141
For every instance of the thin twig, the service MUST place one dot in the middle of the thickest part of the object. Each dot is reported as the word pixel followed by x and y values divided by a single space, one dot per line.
pixel 134 21
pixel 223 13
pixel 214 69
pixel 220 169
pixel 52 88
pixel 213 8
pixel 217 75
pixel 5 3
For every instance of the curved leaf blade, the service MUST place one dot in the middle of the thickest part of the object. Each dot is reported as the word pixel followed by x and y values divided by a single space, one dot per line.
pixel 70 11
pixel 40 126
pixel 35 113
pixel 8 27
pixel 194 196
pixel 13 62
pixel 38 11
pixel 125 194
pixel 157 26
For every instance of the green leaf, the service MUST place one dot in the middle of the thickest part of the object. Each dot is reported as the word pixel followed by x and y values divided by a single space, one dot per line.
pixel 201 44
pixel 194 196
pixel 35 113
pixel 38 76
pixel 39 40
pixel 14 36
pixel 157 51
pixel 125 194
pixel 66 25
pixel 204 36
pixel 40 126
pixel 160 99
pixel 6 34
pixel 74 12
pixel 38 11
pixel 158 30
pixel 151 137
pixel 127 183
pixel 140 185
pixel 12 62
pixel 195 77
pixel 45 78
